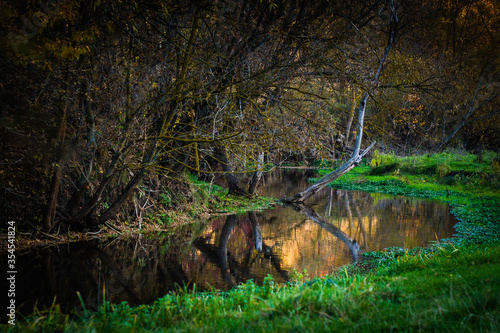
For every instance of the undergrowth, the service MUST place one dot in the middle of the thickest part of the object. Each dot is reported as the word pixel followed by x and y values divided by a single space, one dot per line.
pixel 200 201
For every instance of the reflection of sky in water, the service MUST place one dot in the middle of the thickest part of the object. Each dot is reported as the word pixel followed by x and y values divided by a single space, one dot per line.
pixel 139 270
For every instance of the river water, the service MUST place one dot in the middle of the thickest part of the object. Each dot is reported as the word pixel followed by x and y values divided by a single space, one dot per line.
pixel 231 249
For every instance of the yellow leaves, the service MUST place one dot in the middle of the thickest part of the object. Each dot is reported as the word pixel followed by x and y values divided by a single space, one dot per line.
pixel 64 50
pixel 46 66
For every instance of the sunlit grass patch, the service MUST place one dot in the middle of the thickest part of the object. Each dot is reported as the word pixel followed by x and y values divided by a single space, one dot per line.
pixel 451 171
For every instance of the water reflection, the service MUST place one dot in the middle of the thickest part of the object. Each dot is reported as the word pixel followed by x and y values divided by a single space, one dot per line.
pixel 277 241
pixel 331 232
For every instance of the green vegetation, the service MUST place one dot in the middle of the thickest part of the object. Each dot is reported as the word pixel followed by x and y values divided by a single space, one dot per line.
pixel 452 286
pixel 200 200
pixel 477 175
pixel 469 184
pixel 446 290
pixel 107 103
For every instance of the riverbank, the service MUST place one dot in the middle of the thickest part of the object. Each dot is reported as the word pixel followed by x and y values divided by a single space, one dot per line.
pixel 453 285
pixel 209 201
pixel 471 188
pixel 449 291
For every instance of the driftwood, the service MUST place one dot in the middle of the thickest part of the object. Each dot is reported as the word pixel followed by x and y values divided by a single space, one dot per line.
pixel 313 189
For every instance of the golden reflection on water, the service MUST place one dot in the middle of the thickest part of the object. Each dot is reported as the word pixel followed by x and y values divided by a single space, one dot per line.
pixel 291 240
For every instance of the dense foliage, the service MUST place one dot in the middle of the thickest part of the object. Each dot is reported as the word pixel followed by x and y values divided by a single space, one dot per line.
pixel 107 105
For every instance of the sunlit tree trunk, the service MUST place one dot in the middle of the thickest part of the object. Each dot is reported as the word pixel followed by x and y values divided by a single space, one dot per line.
pixel 257 175
pixel 357 155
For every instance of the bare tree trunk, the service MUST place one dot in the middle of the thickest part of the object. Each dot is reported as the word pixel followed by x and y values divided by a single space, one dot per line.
pixel 89 206
pixel 345 168
pixel 231 179
pixel 356 155
pixel 257 175
pixel 473 107
pixel 50 214
pixel 88 162
pixel 355 99
pixel 127 192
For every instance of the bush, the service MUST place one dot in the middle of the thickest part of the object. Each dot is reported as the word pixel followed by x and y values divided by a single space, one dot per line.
pixel 384 169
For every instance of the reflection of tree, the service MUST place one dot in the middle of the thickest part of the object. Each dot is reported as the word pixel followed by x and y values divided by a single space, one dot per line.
pixel 288 231
pixel 322 222
pixel 115 270
pixel 360 218
pixel 223 253
pixel 232 271
pixel 122 269
pixel 257 233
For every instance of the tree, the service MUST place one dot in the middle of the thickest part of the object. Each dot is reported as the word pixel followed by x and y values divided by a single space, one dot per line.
pixel 357 155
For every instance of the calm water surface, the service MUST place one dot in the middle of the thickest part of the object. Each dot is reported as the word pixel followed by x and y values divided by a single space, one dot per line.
pixel 231 249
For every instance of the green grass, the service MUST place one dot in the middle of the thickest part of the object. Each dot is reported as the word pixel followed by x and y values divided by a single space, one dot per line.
pixel 452 286
pixel 219 201
pixel 444 290
pixel 202 199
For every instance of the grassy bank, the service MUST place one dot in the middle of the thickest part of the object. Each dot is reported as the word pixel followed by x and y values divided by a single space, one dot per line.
pixel 452 286
pixel 199 202
pixel 453 291
pixel 471 186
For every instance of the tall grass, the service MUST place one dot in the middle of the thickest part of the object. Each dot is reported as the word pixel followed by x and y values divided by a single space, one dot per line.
pixel 462 170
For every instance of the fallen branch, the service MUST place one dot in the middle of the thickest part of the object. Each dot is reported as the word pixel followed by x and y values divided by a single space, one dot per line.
pixel 320 184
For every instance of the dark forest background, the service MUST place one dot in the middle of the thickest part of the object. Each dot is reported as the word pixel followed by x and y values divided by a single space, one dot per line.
pixel 106 106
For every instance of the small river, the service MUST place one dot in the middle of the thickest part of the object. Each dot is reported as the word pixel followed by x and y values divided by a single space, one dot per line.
pixel 231 249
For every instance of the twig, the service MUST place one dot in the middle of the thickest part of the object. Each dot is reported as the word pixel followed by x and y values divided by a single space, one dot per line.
pixel 113 228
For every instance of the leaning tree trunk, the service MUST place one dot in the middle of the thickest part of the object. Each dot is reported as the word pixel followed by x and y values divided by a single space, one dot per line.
pixel 124 196
pixel 474 105
pixel 50 214
pixel 345 168
pixel 356 155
